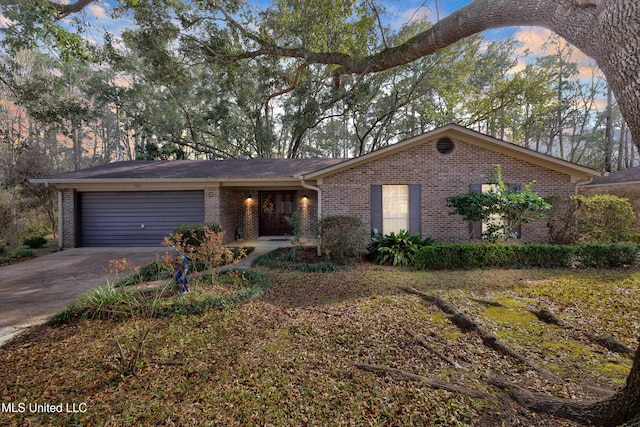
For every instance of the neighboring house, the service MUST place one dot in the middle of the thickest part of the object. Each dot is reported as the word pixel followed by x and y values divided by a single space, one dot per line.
pixel 403 186
pixel 624 183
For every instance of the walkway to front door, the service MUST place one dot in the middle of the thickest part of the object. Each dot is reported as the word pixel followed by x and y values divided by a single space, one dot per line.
pixel 274 207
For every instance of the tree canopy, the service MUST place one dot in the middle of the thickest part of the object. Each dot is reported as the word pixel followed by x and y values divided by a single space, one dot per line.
pixel 228 79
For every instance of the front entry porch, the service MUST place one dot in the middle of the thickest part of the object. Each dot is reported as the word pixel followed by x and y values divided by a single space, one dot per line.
pixel 260 214
pixel 275 207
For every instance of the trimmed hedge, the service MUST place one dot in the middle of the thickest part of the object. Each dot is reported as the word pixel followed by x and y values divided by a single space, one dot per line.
pixel 543 255
pixel 466 256
pixel 452 256
pixel 600 255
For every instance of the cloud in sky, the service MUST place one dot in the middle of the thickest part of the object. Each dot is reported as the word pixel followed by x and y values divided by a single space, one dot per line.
pixel 97 11
pixel 535 38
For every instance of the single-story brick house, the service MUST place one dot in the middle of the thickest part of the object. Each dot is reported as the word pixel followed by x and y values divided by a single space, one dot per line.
pixel 402 186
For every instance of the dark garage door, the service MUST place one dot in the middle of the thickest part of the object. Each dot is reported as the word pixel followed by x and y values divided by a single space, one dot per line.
pixel 135 218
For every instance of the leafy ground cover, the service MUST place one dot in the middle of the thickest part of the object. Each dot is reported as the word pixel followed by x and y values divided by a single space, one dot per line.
pixel 290 356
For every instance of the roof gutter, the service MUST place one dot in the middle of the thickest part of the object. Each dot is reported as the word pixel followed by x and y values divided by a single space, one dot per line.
pixel 579 185
pixel 319 191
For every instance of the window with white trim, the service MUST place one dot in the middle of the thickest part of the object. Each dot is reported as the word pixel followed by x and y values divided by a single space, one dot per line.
pixel 395 208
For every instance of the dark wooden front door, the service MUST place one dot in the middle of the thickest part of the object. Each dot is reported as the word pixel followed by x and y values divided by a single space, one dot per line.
pixel 274 207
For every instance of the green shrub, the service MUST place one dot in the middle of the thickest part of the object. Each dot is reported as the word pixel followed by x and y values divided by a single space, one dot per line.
pixel 542 255
pixel 195 234
pixel 453 256
pixel 471 255
pixel 23 253
pixel 35 242
pixel 600 255
pixel 154 270
pixel 396 249
pixel 343 237
pixel 600 218
pixel 604 218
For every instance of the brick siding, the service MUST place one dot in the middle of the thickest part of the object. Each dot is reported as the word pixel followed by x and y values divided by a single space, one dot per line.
pixel 440 176
pixel 68 218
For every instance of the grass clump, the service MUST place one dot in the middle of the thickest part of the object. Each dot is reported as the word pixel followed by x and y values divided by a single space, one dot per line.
pixel 104 302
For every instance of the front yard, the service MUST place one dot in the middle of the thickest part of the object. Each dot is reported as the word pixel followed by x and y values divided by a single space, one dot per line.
pixel 289 357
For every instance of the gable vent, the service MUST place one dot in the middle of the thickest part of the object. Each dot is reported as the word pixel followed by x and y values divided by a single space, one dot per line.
pixel 444 145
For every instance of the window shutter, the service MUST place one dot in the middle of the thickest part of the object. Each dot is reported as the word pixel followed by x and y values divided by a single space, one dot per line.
pixel 475 228
pixel 415 203
pixel 376 208
pixel 518 229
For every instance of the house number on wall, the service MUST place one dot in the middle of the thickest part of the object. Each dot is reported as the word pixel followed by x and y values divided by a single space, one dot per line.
pixel 137 185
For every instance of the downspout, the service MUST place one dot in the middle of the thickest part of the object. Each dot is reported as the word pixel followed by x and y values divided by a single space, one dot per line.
pixel 582 184
pixel 319 191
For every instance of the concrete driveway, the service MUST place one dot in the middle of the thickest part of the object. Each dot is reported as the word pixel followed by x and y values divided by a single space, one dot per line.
pixel 32 291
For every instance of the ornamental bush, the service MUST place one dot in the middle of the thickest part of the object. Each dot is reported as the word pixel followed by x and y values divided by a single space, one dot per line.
pixel 343 237
pixel 396 249
pixel 500 209
pixel 600 218
pixel 603 218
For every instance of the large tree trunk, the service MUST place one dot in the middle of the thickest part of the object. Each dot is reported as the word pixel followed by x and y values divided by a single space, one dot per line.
pixel 623 407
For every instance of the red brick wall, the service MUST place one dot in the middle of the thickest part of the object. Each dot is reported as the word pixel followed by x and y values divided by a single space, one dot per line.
pixel 440 176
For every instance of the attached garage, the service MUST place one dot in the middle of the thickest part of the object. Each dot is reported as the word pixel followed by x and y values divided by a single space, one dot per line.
pixel 135 218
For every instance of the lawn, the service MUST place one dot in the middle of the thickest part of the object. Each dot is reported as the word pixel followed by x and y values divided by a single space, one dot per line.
pixel 289 357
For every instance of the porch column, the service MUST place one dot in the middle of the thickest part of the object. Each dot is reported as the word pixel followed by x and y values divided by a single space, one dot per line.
pixel 212 203
pixel 68 218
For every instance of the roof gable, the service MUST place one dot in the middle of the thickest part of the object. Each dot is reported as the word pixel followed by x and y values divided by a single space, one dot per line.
pixel 467 135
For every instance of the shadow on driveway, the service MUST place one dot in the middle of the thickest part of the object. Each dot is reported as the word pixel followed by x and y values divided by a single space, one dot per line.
pixel 34 290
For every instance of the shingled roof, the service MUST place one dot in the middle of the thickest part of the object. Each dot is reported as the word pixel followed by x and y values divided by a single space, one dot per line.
pixel 195 169
pixel 623 177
